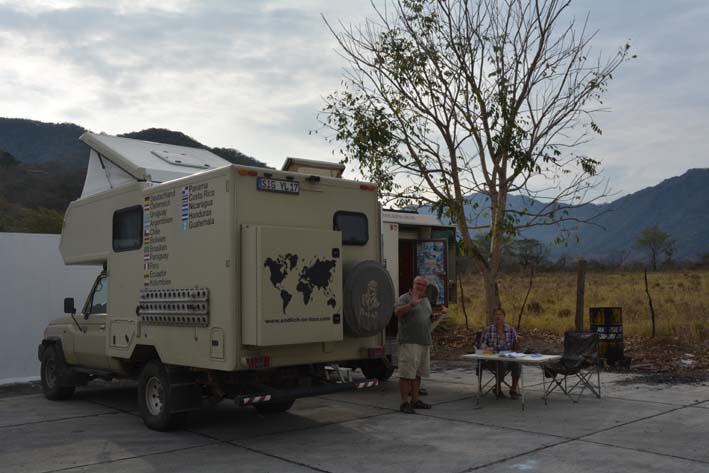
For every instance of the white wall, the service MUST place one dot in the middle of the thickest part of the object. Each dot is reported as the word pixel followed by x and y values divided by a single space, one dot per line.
pixel 33 284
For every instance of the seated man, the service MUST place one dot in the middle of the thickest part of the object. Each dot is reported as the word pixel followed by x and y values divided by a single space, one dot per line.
pixel 500 336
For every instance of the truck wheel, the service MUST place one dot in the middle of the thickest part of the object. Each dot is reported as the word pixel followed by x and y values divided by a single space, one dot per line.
pixel 154 396
pixel 380 368
pixel 274 407
pixel 53 369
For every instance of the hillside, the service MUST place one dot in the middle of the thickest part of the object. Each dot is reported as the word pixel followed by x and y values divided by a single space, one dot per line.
pixel 679 206
pixel 43 166
pixel 33 142
pixel 33 196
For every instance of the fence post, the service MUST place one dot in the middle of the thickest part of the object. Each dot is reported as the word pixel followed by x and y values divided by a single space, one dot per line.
pixel 580 284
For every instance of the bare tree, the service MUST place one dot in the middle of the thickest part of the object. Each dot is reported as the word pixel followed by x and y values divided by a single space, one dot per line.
pixel 443 100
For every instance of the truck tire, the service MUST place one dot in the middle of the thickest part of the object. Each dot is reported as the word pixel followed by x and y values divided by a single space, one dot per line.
pixel 154 397
pixel 274 407
pixel 368 299
pixel 380 368
pixel 52 372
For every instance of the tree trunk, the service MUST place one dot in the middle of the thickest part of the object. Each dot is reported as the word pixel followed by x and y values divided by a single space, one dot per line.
pixel 488 272
pixel 492 295
pixel 580 292
pixel 649 301
pixel 462 301
pixel 524 302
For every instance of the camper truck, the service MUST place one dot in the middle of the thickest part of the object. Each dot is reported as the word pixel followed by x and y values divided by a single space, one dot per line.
pixel 218 280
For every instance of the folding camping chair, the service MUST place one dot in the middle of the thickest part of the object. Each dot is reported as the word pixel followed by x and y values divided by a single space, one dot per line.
pixel 580 361
pixel 490 367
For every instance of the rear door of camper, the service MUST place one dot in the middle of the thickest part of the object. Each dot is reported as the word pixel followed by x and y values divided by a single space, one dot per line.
pixel 422 250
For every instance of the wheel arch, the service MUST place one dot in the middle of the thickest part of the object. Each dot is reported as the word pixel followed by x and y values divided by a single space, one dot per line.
pixel 52 341
pixel 139 357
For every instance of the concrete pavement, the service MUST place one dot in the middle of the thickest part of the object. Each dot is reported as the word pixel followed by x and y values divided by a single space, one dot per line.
pixel 648 428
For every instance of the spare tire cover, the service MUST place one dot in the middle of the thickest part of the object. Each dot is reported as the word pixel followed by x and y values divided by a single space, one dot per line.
pixel 368 299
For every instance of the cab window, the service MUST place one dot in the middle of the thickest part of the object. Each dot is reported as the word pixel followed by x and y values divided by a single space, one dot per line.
pixel 98 304
pixel 354 227
pixel 128 229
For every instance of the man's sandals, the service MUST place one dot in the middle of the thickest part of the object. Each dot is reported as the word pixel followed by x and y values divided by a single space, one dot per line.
pixel 408 407
pixel 421 405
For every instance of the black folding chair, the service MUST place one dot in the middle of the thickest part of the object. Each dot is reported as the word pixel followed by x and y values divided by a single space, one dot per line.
pixel 492 368
pixel 580 362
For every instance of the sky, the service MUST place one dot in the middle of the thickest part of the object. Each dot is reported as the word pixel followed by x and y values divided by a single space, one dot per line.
pixel 252 75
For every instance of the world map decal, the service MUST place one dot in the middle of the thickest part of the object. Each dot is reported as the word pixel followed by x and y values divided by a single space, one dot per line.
pixel 310 278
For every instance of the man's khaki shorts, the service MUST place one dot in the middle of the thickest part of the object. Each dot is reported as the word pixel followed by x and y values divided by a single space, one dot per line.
pixel 414 360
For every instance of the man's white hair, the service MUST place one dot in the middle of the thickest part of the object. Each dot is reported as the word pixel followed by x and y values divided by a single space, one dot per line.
pixel 420 278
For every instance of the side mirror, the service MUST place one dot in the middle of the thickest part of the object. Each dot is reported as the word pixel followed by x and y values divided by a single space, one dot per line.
pixel 69 306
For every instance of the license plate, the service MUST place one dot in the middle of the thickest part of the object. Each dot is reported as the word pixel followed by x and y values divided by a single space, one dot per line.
pixel 277 185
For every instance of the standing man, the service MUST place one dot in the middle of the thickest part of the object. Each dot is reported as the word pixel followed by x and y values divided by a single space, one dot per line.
pixel 414 311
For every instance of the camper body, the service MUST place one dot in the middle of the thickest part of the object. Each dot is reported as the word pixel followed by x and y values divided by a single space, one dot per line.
pixel 233 281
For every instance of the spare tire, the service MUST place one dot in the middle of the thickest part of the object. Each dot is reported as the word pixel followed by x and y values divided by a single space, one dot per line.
pixel 368 299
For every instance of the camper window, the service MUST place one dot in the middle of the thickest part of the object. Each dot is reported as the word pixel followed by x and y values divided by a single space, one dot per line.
pixel 128 229
pixel 354 227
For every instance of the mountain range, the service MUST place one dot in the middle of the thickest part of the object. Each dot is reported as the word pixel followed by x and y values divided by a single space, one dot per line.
pixel 42 168
pixel 678 206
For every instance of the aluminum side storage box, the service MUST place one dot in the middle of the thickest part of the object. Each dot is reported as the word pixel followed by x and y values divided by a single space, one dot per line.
pixel 291 285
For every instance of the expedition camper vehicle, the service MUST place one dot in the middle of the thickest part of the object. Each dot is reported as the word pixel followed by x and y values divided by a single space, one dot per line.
pixel 219 281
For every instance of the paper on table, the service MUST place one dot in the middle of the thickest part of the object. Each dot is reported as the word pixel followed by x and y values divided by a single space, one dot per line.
pixel 512 354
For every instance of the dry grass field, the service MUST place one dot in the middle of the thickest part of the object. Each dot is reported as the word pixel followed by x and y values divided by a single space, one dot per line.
pixel 681 301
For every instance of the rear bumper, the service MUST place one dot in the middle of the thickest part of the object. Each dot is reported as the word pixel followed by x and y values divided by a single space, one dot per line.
pixel 296 393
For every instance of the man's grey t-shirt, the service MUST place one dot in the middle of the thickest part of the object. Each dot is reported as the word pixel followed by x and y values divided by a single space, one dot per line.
pixel 415 326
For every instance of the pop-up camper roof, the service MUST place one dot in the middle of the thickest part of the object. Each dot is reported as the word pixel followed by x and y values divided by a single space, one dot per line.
pixel 116 162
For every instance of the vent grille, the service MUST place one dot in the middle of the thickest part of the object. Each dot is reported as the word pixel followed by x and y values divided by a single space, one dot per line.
pixel 176 307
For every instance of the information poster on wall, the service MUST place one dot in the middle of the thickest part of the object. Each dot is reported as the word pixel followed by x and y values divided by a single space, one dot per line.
pixel 431 263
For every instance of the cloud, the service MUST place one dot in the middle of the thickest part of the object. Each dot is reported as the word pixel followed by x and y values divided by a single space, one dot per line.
pixel 231 74
pixel 656 103
pixel 251 74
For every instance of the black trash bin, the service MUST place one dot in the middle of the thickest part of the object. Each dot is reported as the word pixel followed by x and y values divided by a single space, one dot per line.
pixel 608 323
